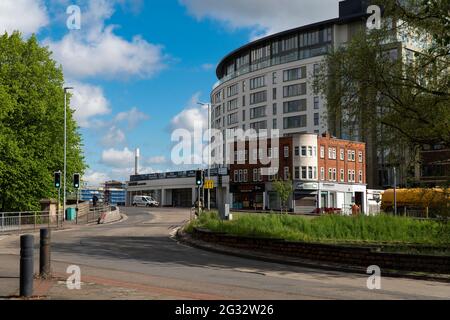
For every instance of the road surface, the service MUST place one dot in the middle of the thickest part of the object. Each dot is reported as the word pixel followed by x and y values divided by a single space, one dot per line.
pixel 137 258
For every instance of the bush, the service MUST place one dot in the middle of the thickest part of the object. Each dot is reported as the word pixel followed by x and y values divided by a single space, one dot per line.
pixel 331 228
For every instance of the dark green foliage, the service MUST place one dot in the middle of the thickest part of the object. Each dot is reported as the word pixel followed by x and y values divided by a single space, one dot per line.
pixel 31 124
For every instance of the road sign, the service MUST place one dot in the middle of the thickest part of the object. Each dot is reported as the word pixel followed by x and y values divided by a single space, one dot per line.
pixel 209 184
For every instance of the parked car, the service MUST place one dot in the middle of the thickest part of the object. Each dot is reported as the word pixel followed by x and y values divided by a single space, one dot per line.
pixel 145 201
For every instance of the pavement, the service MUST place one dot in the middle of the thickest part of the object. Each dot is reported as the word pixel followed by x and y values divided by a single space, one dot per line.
pixel 139 258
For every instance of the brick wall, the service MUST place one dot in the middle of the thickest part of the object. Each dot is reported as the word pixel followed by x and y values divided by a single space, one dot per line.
pixel 347 255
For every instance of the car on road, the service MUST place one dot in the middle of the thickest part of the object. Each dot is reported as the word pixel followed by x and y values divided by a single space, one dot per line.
pixel 145 201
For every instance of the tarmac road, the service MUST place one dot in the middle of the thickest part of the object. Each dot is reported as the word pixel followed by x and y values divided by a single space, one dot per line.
pixel 137 258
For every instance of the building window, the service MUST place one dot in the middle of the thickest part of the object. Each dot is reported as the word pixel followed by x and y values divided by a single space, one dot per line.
pixel 322 152
pixel 261 125
pixel 316 119
pixel 243 86
pixel 243 115
pixel 303 151
pixel 351 155
pixel 360 156
pixel 297 151
pixel 316 69
pixel 286 173
pixel 232 90
pixel 360 176
pixel 294 90
pixel 342 154
pixel 274 124
pixel 259 112
pixel 342 175
pixel 257 82
pixel 304 173
pixel 274 93
pixel 294 74
pixel 322 173
pixel 286 151
pixel 236 177
pixel 310 173
pixel 297 173
pixel 316 103
pixel 294 106
pixel 295 122
pixel 258 97
pixel 274 78
pixel 334 174
pixel 232 118
pixel 274 109
pixel 310 151
pixel 245 175
pixel 243 101
pixel 330 174
pixel 232 104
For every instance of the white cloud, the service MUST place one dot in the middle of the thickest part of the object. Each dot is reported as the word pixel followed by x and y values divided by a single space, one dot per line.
pixel 118 158
pixel 26 16
pixel 88 101
pixel 157 160
pixel 264 16
pixel 95 178
pixel 115 136
pixel 192 115
pixel 131 117
pixel 96 51
pixel 207 66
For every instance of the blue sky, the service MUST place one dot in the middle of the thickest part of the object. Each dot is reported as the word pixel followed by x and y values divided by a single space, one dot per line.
pixel 139 67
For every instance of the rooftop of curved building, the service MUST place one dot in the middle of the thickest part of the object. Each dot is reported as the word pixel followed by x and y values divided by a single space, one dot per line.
pixel 349 10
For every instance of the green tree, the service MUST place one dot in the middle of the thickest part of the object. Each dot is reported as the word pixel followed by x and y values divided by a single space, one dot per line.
pixel 31 124
pixel 284 190
pixel 382 91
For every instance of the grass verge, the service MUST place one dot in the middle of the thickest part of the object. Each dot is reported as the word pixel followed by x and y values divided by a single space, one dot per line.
pixel 394 233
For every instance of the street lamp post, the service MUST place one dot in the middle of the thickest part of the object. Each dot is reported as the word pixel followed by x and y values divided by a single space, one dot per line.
pixel 209 149
pixel 65 149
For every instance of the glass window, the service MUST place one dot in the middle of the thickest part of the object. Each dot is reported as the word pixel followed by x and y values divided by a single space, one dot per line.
pixel 303 151
pixel 322 152
pixel 297 173
pixel 316 119
pixel 322 173
pixel 286 151
pixel 286 173
pixel 274 123
pixel 360 156
pixel 304 173
pixel 274 78
pixel 294 106
pixel 360 176
pixel 274 109
pixel 310 173
pixel 294 74
pixel 310 152
pixel 316 103
pixel 294 122
pixel 232 90
pixel 342 175
pixel 297 151
pixel 257 82
pixel 342 154
pixel 233 118
pixel 258 112
pixel 261 125
pixel 243 115
pixel 258 97
pixel 232 104
pixel 274 93
pixel 294 90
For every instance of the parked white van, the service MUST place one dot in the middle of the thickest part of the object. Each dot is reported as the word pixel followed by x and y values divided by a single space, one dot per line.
pixel 145 201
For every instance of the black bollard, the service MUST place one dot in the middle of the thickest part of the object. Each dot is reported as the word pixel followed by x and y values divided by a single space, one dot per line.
pixel 44 253
pixel 26 265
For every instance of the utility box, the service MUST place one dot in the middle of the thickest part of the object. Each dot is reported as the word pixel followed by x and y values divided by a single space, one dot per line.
pixel 71 214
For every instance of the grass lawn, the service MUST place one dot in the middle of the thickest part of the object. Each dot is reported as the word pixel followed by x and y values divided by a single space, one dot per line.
pixel 380 229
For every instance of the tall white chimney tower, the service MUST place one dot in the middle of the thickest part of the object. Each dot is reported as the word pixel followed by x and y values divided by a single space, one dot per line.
pixel 136 162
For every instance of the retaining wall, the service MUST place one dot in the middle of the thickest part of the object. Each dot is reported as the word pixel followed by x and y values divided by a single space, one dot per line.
pixel 342 254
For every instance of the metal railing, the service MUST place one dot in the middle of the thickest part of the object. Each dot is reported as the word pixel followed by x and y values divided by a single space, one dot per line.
pixel 96 213
pixel 29 220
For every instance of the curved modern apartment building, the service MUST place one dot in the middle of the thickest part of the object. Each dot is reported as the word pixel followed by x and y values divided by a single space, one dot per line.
pixel 268 83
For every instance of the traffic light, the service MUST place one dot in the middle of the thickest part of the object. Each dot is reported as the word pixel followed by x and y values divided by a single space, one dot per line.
pixel 199 177
pixel 58 179
pixel 76 180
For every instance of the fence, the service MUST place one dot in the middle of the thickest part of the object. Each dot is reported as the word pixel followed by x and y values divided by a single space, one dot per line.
pixel 34 220
pixel 30 220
